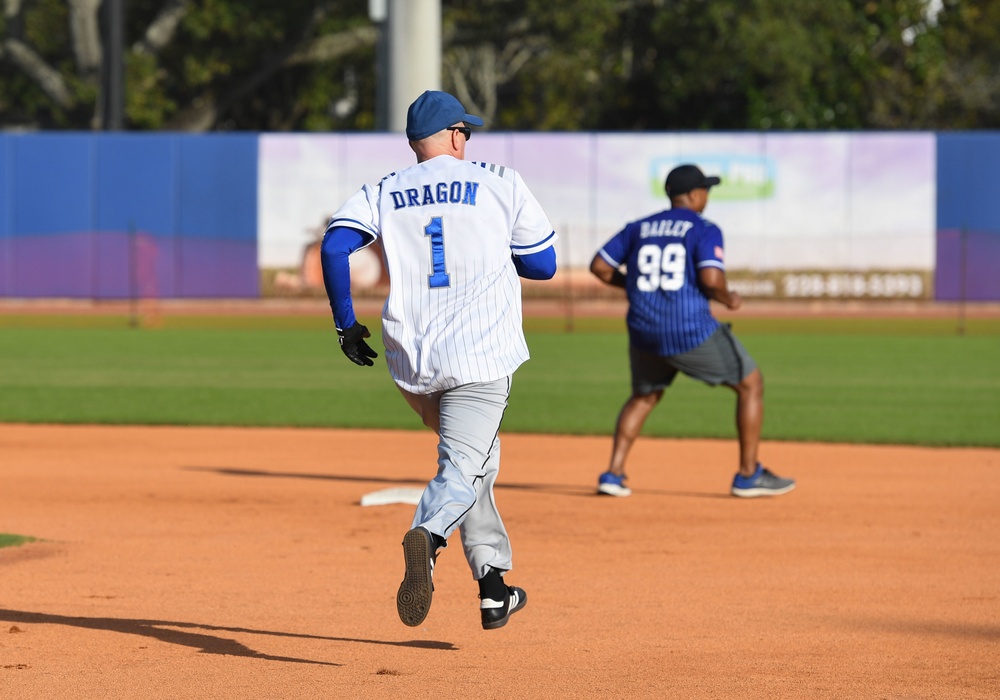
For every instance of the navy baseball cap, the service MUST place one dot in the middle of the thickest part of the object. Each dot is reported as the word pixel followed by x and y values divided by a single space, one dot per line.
pixel 685 178
pixel 435 111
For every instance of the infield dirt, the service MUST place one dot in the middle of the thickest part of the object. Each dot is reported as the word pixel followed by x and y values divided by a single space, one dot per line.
pixel 238 563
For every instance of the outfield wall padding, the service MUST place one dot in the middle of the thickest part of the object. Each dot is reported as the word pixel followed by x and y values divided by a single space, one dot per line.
pixel 111 216
pixel 129 215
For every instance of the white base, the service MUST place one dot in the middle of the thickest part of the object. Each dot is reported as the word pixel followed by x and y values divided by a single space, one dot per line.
pixel 392 495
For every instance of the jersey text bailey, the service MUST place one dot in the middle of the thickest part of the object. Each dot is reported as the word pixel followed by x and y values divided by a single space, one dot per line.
pixel 664 227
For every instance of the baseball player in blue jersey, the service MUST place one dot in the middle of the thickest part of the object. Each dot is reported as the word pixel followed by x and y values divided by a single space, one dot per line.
pixel 456 236
pixel 674 267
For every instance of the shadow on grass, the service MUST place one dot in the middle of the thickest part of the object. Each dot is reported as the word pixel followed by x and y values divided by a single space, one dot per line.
pixel 168 632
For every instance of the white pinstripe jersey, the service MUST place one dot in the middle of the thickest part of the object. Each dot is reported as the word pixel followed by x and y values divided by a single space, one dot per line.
pixel 448 228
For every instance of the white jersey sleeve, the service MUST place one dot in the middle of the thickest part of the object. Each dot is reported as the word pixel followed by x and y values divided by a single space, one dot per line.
pixel 360 212
pixel 529 218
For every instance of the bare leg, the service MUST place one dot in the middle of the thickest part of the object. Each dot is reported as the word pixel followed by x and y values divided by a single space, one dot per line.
pixel 630 421
pixel 749 419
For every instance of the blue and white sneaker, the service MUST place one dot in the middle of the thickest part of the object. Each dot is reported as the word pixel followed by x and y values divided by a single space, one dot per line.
pixel 762 483
pixel 611 484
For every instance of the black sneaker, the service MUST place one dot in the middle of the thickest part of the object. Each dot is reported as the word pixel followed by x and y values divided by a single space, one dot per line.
pixel 413 600
pixel 496 613
pixel 762 483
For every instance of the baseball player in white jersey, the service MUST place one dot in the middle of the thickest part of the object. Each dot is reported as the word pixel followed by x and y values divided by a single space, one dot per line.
pixel 455 236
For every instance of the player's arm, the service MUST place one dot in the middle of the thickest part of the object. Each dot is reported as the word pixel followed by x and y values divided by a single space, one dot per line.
pixel 712 282
pixel 338 243
pixel 536 266
pixel 709 257
pixel 606 272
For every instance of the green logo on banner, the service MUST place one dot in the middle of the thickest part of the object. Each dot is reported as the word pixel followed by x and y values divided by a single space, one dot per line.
pixel 743 177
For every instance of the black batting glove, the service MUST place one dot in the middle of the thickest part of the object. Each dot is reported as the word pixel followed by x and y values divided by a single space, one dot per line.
pixel 354 346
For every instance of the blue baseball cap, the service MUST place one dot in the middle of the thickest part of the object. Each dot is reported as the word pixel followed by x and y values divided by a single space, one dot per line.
pixel 435 111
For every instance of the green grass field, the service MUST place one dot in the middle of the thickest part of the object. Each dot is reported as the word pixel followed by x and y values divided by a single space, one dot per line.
pixel 904 381
pixel 7 540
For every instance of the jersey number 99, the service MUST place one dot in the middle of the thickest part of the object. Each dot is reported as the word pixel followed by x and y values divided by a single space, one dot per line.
pixel 661 268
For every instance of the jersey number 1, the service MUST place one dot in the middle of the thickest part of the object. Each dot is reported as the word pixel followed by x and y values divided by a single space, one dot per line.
pixel 438 278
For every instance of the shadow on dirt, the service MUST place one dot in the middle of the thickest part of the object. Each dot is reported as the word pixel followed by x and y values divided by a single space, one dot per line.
pixel 562 489
pixel 173 633
pixel 557 489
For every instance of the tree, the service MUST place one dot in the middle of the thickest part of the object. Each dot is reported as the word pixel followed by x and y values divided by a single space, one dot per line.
pixel 190 66
pixel 529 64
pixel 278 65
pixel 766 64
pixel 969 81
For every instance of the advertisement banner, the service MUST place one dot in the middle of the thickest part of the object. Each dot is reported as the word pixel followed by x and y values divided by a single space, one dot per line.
pixel 803 215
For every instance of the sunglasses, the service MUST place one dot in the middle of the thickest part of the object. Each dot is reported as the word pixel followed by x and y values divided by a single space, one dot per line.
pixel 466 131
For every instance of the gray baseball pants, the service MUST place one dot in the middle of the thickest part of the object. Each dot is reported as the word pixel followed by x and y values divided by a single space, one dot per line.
pixel 467 422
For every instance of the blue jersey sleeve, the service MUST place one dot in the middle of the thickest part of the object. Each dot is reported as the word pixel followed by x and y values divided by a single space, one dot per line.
pixel 338 243
pixel 616 251
pixel 537 266
pixel 709 250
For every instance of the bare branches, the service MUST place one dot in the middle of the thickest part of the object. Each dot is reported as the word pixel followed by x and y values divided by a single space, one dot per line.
pixel 85 33
pixel 478 71
pixel 333 46
pixel 48 79
pixel 15 50
pixel 11 8
pixel 205 113
pixel 162 29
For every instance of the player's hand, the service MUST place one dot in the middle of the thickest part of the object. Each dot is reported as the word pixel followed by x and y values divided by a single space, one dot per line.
pixel 354 346
pixel 735 301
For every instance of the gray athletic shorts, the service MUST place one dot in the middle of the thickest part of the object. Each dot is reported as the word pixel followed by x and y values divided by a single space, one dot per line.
pixel 721 359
